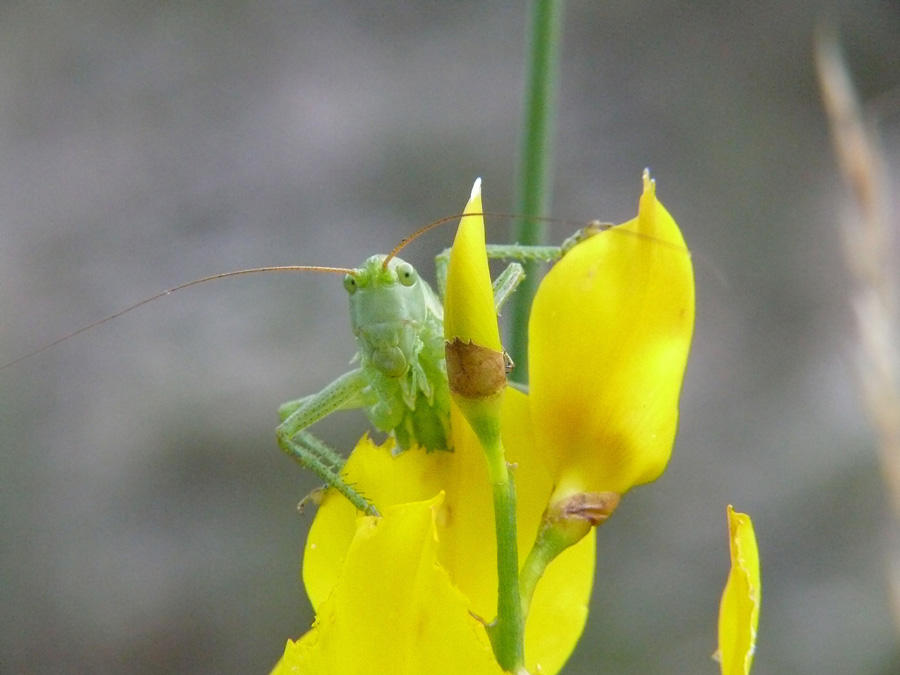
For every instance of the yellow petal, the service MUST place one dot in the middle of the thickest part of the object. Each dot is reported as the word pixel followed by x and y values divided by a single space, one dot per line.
pixel 739 611
pixel 465 525
pixel 394 609
pixel 610 332
pixel 384 479
pixel 469 313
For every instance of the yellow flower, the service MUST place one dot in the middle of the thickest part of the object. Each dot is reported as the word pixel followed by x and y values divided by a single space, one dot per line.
pixel 739 611
pixel 395 610
pixel 465 550
pixel 610 331
pixel 443 570
pixel 609 336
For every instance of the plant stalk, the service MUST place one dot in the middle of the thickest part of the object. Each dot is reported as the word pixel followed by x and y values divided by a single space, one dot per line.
pixel 534 182
pixel 507 631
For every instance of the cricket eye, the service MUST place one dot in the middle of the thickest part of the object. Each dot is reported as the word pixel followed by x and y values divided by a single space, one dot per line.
pixel 350 283
pixel 406 274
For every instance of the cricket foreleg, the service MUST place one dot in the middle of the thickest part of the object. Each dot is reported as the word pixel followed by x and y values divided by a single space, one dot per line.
pixel 507 282
pixel 362 400
pixel 345 392
pixel 311 453
pixel 504 285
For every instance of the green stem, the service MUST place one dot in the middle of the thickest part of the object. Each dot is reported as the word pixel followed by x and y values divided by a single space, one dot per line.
pixel 550 543
pixel 564 523
pixel 507 631
pixel 535 160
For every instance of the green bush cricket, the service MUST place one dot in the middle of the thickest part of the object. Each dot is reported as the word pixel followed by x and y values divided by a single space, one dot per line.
pixel 401 379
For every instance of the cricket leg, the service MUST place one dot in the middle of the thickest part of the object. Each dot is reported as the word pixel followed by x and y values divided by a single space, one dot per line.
pixel 514 252
pixel 345 392
pixel 313 454
pixel 506 283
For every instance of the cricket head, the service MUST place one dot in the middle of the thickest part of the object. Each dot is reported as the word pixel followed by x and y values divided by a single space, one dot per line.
pixel 388 306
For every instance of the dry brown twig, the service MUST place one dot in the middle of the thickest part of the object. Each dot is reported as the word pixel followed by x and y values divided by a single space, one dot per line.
pixel 869 253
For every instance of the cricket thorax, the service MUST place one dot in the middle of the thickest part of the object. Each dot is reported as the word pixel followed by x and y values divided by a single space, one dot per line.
pixel 400 339
pixel 390 347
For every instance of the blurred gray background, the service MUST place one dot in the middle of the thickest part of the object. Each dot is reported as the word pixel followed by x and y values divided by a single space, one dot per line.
pixel 148 518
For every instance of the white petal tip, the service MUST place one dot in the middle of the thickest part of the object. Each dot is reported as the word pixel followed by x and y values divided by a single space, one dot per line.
pixel 476 189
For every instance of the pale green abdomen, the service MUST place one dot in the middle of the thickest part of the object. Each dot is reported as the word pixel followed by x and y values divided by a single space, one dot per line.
pixel 416 406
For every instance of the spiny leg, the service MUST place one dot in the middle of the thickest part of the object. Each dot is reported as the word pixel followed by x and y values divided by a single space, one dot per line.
pixel 589 230
pixel 311 453
pixel 306 447
pixel 501 252
pixel 345 392
pixel 521 253
pixel 506 283
pixel 363 399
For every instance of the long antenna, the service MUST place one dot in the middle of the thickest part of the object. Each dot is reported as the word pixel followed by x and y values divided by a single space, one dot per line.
pixel 487 214
pixel 313 268
pixel 214 277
